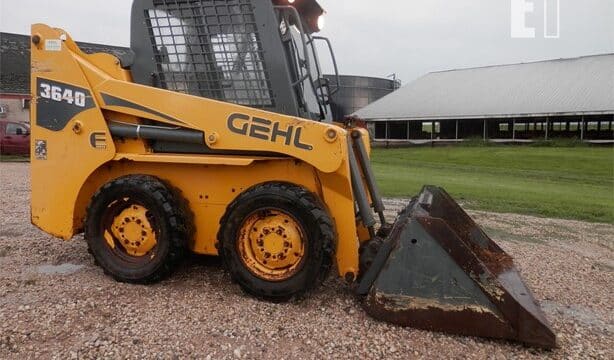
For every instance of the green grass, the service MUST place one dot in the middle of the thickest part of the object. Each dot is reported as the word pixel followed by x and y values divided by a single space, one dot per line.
pixel 14 158
pixel 561 182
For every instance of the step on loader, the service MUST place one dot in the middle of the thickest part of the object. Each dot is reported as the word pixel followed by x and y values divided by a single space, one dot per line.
pixel 213 134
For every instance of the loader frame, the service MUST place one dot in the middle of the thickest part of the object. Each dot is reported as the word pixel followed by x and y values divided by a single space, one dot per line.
pixel 265 147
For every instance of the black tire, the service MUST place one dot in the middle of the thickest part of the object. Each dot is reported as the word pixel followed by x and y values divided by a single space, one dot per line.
pixel 312 217
pixel 166 213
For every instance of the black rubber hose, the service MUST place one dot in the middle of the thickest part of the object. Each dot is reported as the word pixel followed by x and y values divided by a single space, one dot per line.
pixel 149 132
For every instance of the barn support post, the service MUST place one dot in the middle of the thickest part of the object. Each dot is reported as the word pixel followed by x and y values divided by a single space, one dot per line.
pixel 547 126
pixel 484 130
pixel 408 134
pixel 432 131
pixel 387 125
pixel 456 136
pixel 582 129
pixel 514 129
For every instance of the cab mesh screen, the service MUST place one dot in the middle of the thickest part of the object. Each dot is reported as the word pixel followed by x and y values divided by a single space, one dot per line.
pixel 210 48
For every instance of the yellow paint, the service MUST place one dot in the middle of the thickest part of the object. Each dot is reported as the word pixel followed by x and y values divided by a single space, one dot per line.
pixel 271 244
pixel 133 231
pixel 190 159
pixel 64 182
pixel 109 239
pixel 71 159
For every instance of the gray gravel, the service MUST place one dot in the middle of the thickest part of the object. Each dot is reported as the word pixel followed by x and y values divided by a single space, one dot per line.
pixel 55 303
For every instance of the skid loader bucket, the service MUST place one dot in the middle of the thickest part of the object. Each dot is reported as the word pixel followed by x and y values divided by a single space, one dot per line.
pixel 437 270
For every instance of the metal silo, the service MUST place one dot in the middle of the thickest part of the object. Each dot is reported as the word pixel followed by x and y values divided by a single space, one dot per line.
pixel 356 92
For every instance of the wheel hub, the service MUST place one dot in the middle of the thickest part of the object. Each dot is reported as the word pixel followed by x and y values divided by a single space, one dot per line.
pixel 271 244
pixel 132 230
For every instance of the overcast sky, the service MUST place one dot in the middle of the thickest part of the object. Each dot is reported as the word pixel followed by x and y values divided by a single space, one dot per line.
pixel 378 38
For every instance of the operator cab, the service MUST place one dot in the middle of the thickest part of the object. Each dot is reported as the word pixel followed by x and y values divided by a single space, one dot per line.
pixel 254 53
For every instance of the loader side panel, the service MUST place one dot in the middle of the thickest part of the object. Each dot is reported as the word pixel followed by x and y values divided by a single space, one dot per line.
pixel 69 139
pixel 230 127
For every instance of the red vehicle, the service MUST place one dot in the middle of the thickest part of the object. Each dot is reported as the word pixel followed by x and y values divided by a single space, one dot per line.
pixel 14 138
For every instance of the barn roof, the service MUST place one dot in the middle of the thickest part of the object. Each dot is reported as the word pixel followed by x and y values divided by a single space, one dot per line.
pixel 583 85
pixel 15 61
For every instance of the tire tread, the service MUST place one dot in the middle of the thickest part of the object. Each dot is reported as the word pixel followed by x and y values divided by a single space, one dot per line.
pixel 174 207
pixel 308 201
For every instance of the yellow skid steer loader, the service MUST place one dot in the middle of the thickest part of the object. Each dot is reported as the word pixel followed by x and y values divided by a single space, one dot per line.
pixel 214 135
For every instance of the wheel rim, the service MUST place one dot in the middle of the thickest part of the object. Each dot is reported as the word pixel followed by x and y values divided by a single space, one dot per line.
pixel 130 228
pixel 271 244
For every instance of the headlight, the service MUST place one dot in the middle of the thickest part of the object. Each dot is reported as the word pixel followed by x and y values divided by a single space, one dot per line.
pixel 321 22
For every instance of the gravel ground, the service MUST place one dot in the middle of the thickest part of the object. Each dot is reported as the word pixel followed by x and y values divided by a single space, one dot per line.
pixel 55 303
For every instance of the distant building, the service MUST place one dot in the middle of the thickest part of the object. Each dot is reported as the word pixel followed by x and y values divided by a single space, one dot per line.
pixel 14 77
pixel 15 73
pixel 570 98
